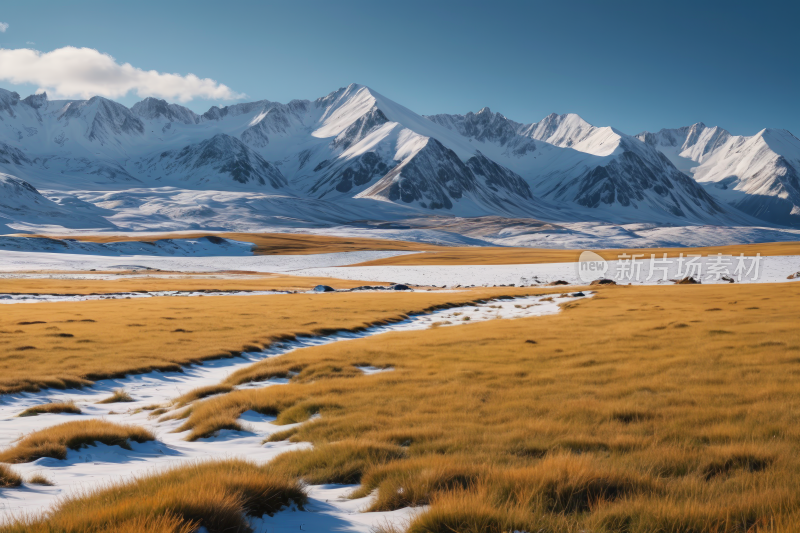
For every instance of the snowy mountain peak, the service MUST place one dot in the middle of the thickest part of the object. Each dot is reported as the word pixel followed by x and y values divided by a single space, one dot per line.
pixel 222 160
pixel 687 144
pixel 36 101
pixel 759 175
pixel 351 105
pixel 217 113
pixel 104 119
pixel 560 130
pixel 8 100
pixel 153 109
pixel 780 140
pixel 483 126
pixel 342 108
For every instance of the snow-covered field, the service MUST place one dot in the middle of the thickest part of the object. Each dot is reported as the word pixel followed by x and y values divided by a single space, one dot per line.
pixel 28 261
pixel 770 270
pixel 95 466
pixel 642 270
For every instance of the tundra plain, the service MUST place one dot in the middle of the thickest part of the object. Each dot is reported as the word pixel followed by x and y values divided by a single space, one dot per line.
pixel 639 409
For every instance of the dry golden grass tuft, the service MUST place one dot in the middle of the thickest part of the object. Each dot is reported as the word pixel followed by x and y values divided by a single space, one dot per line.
pixel 199 393
pixel 40 479
pixel 119 396
pixel 56 440
pixel 217 495
pixel 337 462
pixel 53 407
pixel 412 482
pixel 109 338
pixel 612 419
pixel 9 478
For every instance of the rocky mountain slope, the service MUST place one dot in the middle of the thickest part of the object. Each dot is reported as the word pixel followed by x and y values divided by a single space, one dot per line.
pixel 759 175
pixel 565 160
pixel 22 204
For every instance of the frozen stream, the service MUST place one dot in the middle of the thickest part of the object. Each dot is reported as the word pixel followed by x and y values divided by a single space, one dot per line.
pixel 329 509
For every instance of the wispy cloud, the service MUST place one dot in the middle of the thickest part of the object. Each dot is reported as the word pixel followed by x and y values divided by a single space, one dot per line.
pixel 71 72
pixel 31 43
pixel 3 27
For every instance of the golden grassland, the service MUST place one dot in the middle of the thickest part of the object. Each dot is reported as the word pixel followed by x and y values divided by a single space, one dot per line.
pixel 171 282
pixel 298 244
pixel 643 409
pixel 516 256
pixel 53 408
pixel 218 495
pixel 69 344
pixel 271 243
pixel 56 440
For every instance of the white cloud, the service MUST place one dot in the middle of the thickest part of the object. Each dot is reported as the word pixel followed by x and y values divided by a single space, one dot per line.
pixel 30 43
pixel 3 27
pixel 71 72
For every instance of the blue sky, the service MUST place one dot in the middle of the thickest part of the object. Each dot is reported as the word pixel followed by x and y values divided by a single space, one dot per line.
pixel 634 65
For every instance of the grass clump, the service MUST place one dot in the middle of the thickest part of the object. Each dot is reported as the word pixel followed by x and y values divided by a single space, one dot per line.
pixel 416 482
pixel 278 436
pixel 53 408
pixel 40 479
pixel 119 396
pixel 467 512
pixel 217 495
pixel 56 440
pixel 201 392
pixel 340 462
pixel 9 478
pixel 564 483
pixel 725 460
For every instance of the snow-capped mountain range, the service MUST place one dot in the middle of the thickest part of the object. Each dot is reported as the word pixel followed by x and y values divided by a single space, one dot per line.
pixel 355 155
pixel 759 175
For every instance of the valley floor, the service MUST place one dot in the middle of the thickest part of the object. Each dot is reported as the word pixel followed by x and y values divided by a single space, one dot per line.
pixel 645 408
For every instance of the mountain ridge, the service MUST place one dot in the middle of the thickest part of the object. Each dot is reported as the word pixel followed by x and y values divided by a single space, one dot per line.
pixel 359 149
pixel 758 175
